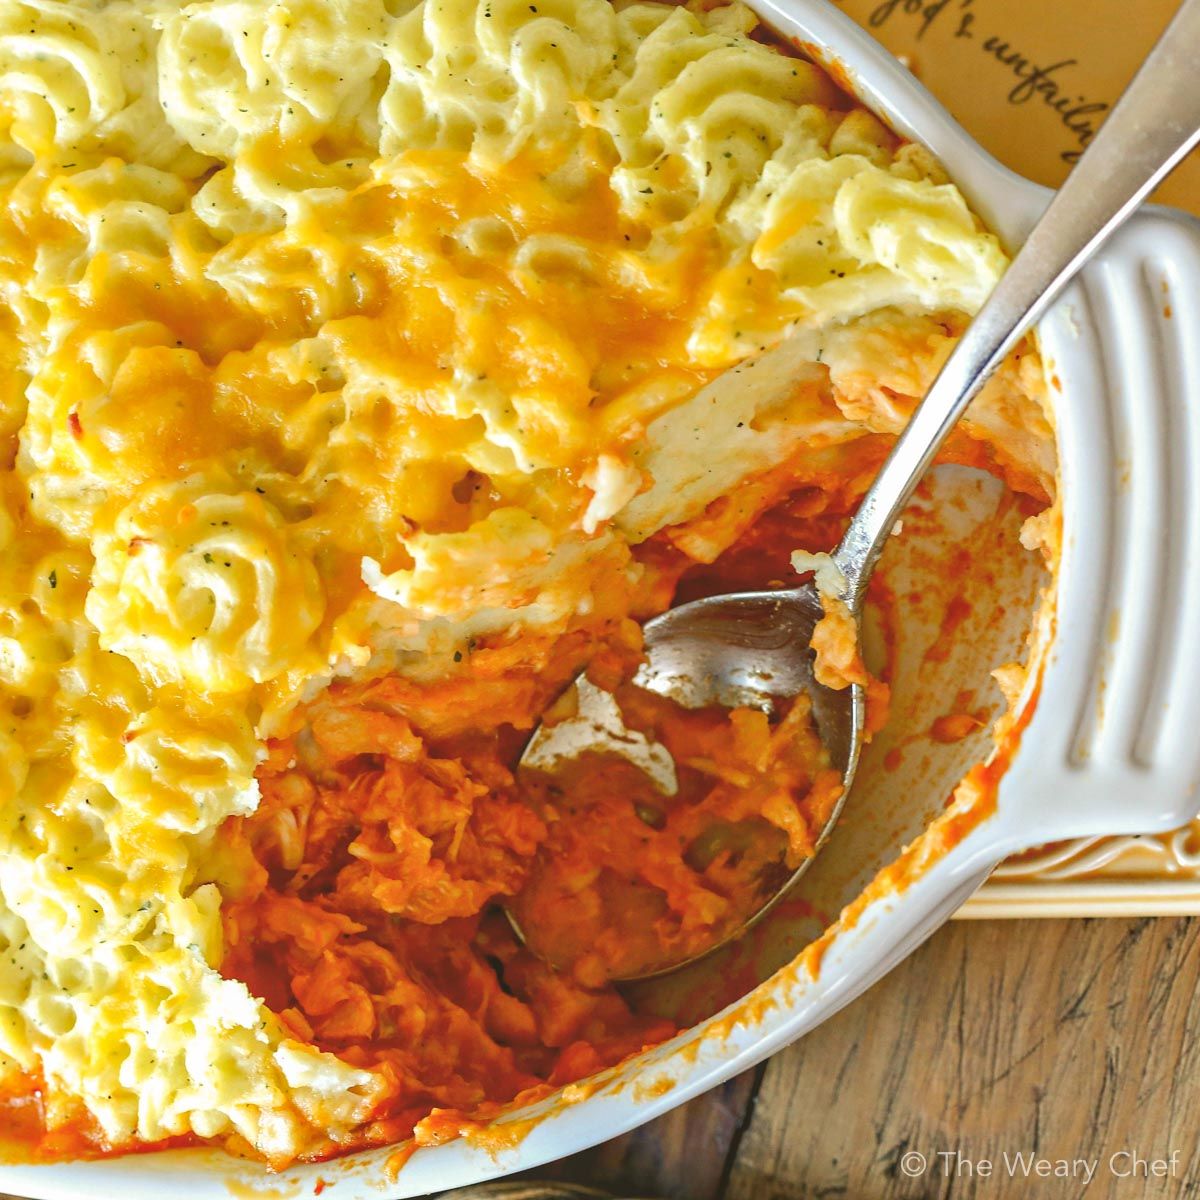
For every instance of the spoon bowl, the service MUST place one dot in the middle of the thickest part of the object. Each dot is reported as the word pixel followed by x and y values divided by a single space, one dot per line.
pixel 738 650
pixel 750 649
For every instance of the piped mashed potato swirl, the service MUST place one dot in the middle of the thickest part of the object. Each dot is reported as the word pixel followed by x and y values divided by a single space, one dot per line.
pixel 201 588
pixel 339 336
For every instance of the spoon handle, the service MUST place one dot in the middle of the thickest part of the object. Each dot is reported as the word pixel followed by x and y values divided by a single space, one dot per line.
pixel 1153 125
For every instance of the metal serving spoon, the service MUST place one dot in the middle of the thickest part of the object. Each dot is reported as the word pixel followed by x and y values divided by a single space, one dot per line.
pixel 754 647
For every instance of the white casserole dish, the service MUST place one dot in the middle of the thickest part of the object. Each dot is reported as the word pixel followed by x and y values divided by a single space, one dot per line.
pixel 1111 747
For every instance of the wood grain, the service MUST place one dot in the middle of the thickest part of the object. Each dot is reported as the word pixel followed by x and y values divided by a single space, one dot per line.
pixel 1064 1039
pixel 684 1155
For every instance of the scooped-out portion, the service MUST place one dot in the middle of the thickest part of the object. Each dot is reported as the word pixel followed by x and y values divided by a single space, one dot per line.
pixel 634 877
pixel 362 387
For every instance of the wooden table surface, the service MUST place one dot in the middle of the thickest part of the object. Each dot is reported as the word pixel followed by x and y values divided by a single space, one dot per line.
pixel 1072 1040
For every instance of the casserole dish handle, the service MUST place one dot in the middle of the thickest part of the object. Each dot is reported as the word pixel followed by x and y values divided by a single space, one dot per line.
pixel 1114 745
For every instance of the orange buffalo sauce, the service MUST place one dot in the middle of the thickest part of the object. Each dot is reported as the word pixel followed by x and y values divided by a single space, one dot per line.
pixel 36 1127
pixel 630 879
pixel 391 830
pixel 387 830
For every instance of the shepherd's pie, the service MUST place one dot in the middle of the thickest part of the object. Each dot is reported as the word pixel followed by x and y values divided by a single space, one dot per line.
pixel 353 399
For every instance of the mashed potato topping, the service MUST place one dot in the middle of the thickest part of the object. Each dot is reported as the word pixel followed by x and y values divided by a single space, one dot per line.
pixel 356 393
